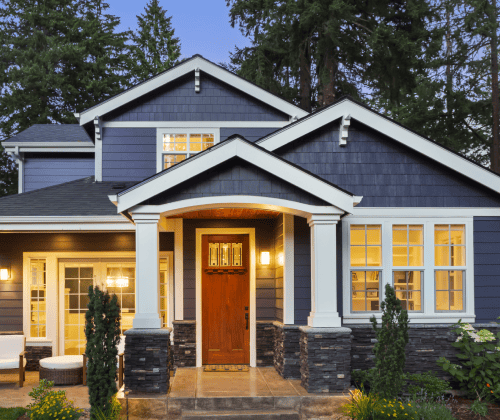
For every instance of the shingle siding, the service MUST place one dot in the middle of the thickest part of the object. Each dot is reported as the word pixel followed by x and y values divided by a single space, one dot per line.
pixel 128 154
pixel 178 101
pixel 46 169
pixel 487 268
pixel 384 172
pixel 235 177
pixel 251 134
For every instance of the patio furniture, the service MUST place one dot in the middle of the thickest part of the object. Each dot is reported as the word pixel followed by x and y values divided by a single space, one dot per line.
pixel 121 351
pixel 12 355
pixel 62 370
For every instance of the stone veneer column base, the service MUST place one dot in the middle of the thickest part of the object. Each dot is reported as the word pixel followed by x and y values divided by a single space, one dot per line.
pixel 325 359
pixel 146 360
pixel 184 344
pixel 287 350
pixel 265 343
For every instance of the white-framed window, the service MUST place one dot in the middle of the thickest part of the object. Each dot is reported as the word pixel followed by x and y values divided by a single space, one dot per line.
pixel 176 145
pixel 428 261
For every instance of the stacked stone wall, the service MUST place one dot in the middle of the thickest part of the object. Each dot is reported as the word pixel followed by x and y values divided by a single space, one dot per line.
pixel 265 343
pixel 184 344
pixel 287 350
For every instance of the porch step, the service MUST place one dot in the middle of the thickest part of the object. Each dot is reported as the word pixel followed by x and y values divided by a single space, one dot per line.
pixel 241 415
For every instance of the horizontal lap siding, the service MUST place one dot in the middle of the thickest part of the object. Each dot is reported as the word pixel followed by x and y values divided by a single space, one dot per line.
pixel 128 154
pixel 13 245
pixel 487 268
pixel 235 177
pixel 302 270
pixel 278 249
pixel 251 134
pixel 384 172
pixel 47 169
pixel 264 241
pixel 216 101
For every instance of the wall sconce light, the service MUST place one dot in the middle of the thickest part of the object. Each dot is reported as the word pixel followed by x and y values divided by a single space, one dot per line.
pixel 265 258
pixel 281 259
pixel 119 282
pixel 4 273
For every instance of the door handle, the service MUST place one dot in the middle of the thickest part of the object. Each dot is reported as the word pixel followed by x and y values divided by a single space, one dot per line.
pixel 246 318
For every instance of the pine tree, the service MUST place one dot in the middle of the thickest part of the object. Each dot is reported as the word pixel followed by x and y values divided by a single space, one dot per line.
pixel 155 47
pixel 57 57
pixel 102 330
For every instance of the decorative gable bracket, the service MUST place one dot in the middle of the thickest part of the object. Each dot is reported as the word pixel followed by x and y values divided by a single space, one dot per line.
pixel 98 128
pixel 197 80
pixel 344 129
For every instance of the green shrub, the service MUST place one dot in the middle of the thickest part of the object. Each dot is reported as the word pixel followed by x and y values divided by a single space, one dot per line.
pixel 426 386
pixel 112 413
pixel 11 413
pixel 432 411
pixel 479 369
pixel 361 406
pixel 102 330
pixel 49 405
pixel 392 338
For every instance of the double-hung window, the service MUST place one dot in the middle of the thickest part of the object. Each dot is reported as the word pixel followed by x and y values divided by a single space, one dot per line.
pixel 176 145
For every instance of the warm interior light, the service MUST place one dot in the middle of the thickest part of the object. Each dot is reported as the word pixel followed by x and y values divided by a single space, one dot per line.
pixel 4 274
pixel 122 282
pixel 265 258
pixel 281 259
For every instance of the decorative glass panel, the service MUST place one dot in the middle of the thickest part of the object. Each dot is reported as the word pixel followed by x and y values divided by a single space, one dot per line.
pixel 164 269
pixel 237 260
pixel 225 254
pixel 213 255
pixel 38 303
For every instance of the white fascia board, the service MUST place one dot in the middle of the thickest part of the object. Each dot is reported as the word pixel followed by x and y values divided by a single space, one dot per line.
pixel 42 149
pixel 424 212
pixel 238 202
pixel 75 223
pixel 388 128
pixel 48 144
pixel 249 153
pixel 179 71
pixel 195 124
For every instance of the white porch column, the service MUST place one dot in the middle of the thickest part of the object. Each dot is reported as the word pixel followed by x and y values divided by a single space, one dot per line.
pixel 288 270
pixel 147 283
pixel 323 271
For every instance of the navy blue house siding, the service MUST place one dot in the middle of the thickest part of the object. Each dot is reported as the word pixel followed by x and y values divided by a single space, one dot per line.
pixel 487 268
pixel 302 270
pixel 128 154
pixel 178 101
pixel 46 169
pixel 384 172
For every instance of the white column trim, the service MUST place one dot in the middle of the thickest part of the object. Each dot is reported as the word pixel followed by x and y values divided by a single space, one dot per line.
pixel 253 301
pixel 288 270
pixel 179 269
pixel 20 181
pixel 98 148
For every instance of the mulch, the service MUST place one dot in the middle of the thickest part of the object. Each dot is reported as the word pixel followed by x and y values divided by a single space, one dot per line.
pixel 460 410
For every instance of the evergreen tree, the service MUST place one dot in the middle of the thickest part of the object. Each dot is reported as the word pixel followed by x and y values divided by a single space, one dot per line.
pixel 102 330
pixel 156 49
pixel 58 57
pixel 8 174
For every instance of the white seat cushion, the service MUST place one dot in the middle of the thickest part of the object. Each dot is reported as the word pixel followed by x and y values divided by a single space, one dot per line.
pixel 11 346
pixel 11 363
pixel 62 362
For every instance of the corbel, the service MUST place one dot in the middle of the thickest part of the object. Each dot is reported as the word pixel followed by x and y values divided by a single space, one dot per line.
pixel 98 128
pixel 197 80
pixel 293 118
pixel 344 129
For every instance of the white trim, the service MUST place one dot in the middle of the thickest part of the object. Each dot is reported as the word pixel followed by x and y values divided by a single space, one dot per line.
pixel 180 70
pixel 253 302
pixel 58 144
pixel 184 130
pixel 423 212
pixel 20 181
pixel 195 124
pixel 236 201
pixel 288 270
pixel 242 149
pixel 179 269
pixel 388 128
pixel 98 148
pixel 55 149
pixel 428 313
pixel 66 223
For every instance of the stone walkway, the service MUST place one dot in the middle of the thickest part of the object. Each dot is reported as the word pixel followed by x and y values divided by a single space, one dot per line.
pixel 11 395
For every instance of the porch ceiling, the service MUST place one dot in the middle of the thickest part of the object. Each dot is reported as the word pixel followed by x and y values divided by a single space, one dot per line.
pixel 228 214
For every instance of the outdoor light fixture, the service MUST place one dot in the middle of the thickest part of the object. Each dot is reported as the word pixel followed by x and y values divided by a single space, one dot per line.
pixel 119 282
pixel 265 258
pixel 281 259
pixel 4 273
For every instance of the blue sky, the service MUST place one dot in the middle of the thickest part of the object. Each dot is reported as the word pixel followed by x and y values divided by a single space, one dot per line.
pixel 202 25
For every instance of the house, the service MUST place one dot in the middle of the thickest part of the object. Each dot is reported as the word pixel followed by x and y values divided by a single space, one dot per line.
pixel 260 233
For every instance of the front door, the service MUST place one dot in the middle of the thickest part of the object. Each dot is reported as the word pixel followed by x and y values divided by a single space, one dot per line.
pixel 225 299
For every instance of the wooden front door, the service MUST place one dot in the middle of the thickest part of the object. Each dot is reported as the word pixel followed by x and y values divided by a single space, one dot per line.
pixel 225 299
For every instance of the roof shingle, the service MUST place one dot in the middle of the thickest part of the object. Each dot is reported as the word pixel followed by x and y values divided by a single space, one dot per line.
pixel 52 133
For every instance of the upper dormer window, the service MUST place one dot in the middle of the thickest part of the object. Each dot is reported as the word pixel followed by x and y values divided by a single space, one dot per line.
pixel 176 145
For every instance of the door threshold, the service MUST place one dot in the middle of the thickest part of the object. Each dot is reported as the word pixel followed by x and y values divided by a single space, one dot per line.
pixel 226 368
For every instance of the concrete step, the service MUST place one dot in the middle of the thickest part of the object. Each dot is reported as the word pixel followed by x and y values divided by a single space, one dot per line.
pixel 241 415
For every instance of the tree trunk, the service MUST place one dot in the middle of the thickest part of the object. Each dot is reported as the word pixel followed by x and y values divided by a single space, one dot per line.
pixel 329 84
pixel 449 78
pixel 495 147
pixel 305 77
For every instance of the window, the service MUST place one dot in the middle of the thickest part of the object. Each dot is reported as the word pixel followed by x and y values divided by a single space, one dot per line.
pixel 164 306
pixel 366 253
pixel 38 299
pixel 449 252
pixel 174 146
pixel 120 280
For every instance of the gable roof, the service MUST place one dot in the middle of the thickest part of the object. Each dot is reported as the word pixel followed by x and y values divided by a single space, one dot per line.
pixel 51 134
pixel 181 69
pixel 234 146
pixel 386 126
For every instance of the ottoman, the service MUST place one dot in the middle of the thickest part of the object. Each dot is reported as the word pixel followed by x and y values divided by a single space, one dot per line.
pixel 62 370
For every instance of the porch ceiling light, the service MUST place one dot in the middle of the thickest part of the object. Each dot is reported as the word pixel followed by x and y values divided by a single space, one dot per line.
pixel 4 273
pixel 265 258
pixel 118 282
